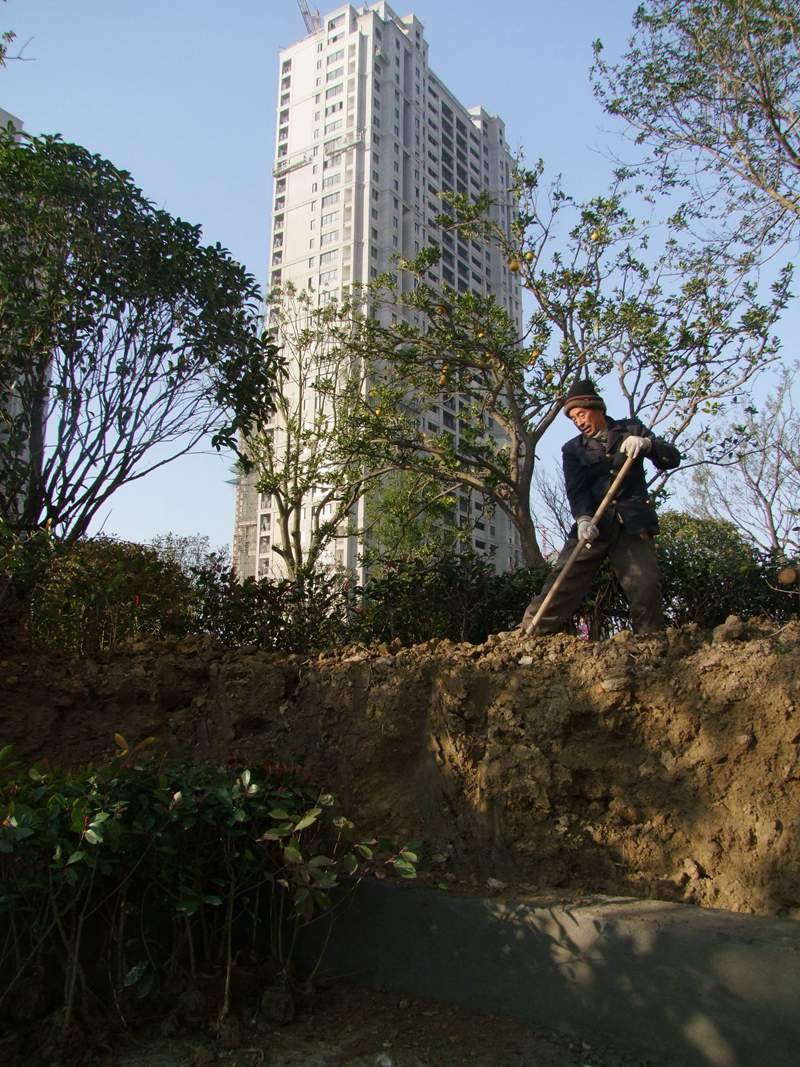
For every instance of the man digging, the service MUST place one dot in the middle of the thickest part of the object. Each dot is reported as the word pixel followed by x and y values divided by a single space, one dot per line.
pixel 626 528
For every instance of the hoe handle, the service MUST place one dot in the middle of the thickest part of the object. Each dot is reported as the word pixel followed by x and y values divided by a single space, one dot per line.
pixel 612 491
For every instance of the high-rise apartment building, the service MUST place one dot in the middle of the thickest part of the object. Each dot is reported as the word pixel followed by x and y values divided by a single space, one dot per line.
pixel 367 140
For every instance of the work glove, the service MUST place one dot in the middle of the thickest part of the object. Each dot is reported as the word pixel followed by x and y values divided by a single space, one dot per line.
pixel 587 531
pixel 635 446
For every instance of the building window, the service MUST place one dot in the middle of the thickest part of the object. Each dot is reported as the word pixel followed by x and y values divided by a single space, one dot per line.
pixel 330 200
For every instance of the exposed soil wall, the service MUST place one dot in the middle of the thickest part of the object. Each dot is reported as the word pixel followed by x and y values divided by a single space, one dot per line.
pixel 663 766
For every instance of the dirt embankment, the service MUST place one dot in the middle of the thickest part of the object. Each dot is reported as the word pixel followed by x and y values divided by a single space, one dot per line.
pixel 665 766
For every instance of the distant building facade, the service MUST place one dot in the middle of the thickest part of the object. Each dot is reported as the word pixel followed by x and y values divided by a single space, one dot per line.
pixel 367 139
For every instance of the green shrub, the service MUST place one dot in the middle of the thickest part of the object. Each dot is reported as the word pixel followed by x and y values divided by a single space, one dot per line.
pixel 24 562
pixel 709 571
pixel 97 592
pixel 117 878
pixel 93 594
pixel 290 616
pixel 456 596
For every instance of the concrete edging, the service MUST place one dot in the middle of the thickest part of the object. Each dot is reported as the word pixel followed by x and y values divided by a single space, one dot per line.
pixel 689 985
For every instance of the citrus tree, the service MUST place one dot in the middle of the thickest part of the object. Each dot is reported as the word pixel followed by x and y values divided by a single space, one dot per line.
pixel 677 335
pixel 320 452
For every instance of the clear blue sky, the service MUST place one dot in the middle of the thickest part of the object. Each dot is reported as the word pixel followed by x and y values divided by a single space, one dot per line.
pixel 182 94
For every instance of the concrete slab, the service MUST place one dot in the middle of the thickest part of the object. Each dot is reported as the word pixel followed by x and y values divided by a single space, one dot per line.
pixel 686 986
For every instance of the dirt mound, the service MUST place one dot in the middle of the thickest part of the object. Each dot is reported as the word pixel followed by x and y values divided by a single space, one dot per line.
pixel 664 766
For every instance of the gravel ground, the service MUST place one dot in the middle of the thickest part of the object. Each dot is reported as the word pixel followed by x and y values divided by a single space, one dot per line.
pixel 353 1027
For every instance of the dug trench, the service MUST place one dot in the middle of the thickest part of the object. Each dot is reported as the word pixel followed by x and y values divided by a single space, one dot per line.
pixel 661 767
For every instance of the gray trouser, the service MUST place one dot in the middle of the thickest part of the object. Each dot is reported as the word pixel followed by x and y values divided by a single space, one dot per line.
pixel 633 558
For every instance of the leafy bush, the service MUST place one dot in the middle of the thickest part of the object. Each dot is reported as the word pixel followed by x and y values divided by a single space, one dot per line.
pixel 97 592
pixel 116 879
pixel 455 596
pixel 93 594
pixel 709 571
pixel 283 615
pixel 24 562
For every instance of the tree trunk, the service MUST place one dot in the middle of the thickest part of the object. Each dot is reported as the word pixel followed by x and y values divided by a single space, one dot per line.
pixel 34 496
pixel 531 553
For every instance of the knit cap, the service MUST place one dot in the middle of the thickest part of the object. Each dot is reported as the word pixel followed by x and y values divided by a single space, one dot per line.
pixel 582 394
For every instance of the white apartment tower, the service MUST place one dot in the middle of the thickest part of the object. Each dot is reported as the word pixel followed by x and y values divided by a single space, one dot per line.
pixel 367 139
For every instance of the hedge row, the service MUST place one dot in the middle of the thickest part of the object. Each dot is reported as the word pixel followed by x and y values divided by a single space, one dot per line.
pixel 100 592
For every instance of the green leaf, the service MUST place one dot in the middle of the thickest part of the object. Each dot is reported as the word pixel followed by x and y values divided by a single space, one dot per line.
pixel 292 855
pixel 279 813
pixel 93 837
pixel 277 832
pixel 348 864
pixel 76 857
pixel 320 861
pixel 405 870
pixel 148 985
pixel 325 880
pixel 134 974
pixel 322 900
pixel 5 754
pixel 365 851
pixel 410 857
pixel 309 818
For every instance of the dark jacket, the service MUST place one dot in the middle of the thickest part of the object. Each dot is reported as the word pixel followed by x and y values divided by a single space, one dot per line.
pixel 590 467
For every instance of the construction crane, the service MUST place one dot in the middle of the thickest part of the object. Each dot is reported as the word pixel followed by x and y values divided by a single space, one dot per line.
pixel 311 18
